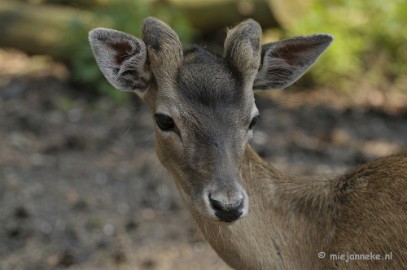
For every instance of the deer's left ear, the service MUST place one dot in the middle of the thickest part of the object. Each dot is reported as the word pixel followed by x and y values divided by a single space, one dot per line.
pixel 122 58
pixel 284 62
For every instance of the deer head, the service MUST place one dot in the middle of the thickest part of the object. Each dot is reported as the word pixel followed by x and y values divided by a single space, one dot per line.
pixel 203 104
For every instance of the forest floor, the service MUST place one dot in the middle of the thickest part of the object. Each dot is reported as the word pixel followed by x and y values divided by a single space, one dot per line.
pixel 81 187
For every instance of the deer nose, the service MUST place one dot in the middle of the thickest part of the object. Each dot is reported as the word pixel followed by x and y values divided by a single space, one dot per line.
pixel 227 209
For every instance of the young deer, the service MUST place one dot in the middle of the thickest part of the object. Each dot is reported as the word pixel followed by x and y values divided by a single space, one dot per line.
pixel 204 110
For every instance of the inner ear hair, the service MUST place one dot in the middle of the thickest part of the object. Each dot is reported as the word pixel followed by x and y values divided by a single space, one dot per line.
pixel 122 58
pixel 285 61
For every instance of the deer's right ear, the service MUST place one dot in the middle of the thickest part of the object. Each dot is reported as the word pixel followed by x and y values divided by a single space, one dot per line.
pixel 122 58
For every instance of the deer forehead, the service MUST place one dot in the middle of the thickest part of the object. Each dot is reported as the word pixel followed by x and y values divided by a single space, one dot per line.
pixel 207 87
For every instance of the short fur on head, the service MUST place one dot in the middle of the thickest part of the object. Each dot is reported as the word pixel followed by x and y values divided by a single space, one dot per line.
pixel 203 104
pixel 130 64
pixel 204 110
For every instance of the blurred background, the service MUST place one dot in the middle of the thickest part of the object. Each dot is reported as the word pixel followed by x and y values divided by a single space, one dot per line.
pixel 80 185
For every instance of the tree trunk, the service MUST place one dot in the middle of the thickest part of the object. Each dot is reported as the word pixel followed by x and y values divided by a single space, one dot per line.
pixel 37 29
pixel 41 29
pixel 71 3
pixel 212 15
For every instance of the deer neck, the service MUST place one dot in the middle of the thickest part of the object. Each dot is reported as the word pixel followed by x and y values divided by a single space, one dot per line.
pixel 287 216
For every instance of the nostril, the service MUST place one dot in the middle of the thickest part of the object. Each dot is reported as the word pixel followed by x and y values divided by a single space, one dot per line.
pixel 220 205
pixel 216 205
pixel 237 205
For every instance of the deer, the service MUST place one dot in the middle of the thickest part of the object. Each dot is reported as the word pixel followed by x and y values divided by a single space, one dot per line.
pixel 254 216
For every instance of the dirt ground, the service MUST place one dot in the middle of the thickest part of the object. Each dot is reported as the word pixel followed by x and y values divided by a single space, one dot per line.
pixel 81 187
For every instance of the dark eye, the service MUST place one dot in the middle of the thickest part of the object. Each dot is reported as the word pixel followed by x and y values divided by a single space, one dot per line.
pixel 254 121
pixel 164 122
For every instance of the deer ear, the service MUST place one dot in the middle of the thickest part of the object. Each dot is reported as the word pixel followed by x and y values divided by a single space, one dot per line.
pixel 284 62
pixel 122 59
pixel 242 49
pixel 164 50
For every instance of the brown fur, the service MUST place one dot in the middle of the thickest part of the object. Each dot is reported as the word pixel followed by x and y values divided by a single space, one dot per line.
pixel 292 219
pixel 254 216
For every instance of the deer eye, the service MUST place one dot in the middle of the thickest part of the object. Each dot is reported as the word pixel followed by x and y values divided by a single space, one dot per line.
pixel 164 122
pixel 254 121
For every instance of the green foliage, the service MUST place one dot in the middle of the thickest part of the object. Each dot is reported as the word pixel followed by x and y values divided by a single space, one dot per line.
pixel 126 16
pixel 370 40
